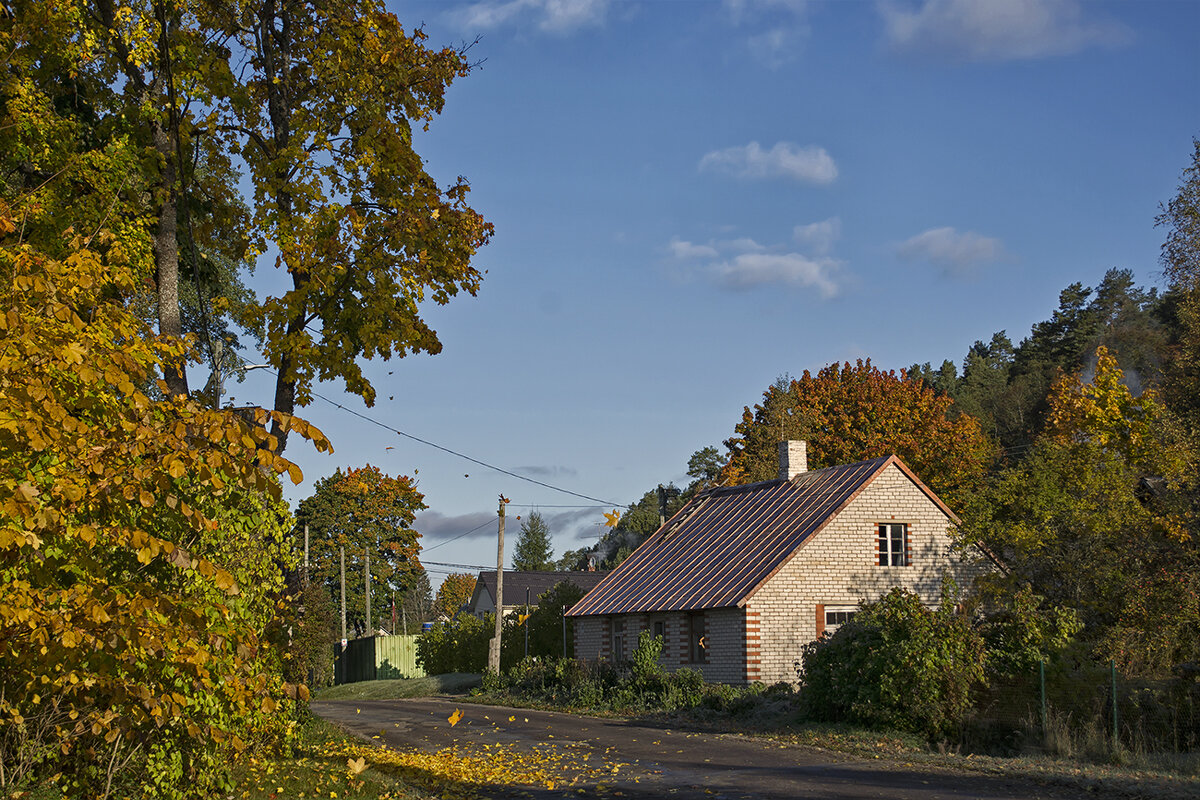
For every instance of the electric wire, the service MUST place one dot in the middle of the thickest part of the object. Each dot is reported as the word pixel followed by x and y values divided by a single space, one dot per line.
pixel 463 456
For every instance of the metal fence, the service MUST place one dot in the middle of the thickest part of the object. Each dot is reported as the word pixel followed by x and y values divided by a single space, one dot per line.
pixel 376 658
pixel 1089 710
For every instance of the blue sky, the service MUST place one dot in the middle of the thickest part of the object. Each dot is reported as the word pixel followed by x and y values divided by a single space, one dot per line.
pixel 691 199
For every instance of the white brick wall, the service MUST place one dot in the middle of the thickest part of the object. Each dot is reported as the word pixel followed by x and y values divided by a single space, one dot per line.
pixel 837 566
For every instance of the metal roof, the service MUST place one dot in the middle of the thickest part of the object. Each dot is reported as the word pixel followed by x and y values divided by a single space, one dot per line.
pixel 516 582
pixel 723 545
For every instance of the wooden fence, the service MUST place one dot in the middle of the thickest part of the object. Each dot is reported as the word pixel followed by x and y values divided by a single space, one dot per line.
pixel 376 658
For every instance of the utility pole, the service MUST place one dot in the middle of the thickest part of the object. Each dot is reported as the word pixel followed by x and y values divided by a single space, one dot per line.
pixel 494 644
pixel 306 555
pixel 342 553
pixel 526 623
pixel 367 573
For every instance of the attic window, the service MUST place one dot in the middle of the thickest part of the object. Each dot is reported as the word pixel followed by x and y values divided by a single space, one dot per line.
pixel 893 544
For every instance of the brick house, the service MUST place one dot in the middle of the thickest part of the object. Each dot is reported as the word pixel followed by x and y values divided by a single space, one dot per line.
pixel 742 577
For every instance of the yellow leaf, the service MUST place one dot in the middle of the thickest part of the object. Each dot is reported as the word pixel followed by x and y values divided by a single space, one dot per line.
pixel 455 717
pixel 295 474
pixel 356 767
pixel 611 519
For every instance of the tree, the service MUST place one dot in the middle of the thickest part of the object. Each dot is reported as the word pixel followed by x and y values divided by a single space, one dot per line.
pixel 324 118
pixel 454 594
pixel 545 626
pixel 849 413
pixel 363 511
pixel 704 468
pixel 142 544
pixel 1099 504
pixel 1180 259
pixel 533 550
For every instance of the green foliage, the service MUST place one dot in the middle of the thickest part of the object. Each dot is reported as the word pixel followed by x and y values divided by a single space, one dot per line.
pixel 142 546
pixel 533 551
pixel 546 626
pixel 456 645
pixel 1023 632
pixel 574 683
pixel 1098 506
pixel 365 510
pixel 1180 259
pixel 313 620
pixel 896 664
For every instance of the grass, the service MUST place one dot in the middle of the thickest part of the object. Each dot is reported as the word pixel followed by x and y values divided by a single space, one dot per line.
pixel 451 683
pixel 318 767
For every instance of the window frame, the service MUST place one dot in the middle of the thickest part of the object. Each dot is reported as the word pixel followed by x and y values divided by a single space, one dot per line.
pixel 616 639
pixel 891 544
pixel 848 610
pixel 697 638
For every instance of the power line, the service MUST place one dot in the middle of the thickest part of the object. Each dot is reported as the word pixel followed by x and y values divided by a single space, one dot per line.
pixel 457 566
pixel 464 456
pixel 460 536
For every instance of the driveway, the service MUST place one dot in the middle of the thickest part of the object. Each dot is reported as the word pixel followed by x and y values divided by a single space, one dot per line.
pixel 657 762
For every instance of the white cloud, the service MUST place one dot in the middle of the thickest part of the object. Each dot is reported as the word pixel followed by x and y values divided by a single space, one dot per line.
pixel 953 252
pixel 686 250
pixel 550 16
pixel 749 270
pixel 778 28
pixel 996 30
pixel 785 160
pixel 743 263
pixel 819 236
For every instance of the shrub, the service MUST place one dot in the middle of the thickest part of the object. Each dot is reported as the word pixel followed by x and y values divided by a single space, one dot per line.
pixel 457 645
pixel 895 664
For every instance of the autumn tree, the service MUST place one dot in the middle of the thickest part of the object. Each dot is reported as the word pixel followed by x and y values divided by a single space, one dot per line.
pixel 363 512
pixel 142 543
pixel 325 117
pixel 533 550
pixel 454 593
pixel 1095 514
pixel 849 413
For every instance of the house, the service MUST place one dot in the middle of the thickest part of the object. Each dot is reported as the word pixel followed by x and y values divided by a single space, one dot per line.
pixel 742 577
pixel 518 583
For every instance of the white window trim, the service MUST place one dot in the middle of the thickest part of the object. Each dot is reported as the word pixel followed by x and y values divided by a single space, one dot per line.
pixel 833 609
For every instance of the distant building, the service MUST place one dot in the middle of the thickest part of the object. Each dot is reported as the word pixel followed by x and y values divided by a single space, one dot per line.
pixel 483 600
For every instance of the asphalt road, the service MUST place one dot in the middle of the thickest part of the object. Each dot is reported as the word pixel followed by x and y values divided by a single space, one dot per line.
pixel 659 762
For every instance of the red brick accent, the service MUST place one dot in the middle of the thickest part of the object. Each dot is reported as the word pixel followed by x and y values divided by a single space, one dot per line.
pixel 820 619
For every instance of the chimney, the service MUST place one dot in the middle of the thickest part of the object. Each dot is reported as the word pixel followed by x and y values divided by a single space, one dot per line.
pixel 793 459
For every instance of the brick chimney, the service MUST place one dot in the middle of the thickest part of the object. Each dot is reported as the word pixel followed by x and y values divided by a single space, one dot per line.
pixel 793 459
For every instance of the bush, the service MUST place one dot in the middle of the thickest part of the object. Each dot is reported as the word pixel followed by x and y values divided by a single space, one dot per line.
pixel 895 664
pixel 457 645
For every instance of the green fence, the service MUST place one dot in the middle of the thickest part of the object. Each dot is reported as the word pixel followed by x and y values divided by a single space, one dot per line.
pixel 1091 710
pixel 376 658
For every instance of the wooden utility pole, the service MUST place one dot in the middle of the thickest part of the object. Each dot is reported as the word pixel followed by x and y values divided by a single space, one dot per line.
pixel 342 553
pixel 367 573
pixel 494 644
pixel 306 555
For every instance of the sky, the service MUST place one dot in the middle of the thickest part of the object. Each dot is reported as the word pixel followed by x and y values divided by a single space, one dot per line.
pixel 694 198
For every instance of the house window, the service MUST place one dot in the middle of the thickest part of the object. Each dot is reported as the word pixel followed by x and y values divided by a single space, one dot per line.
pixel 659 630
pixel 697 638
pixel 617 633
pixel 836 616
pixel 893 544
